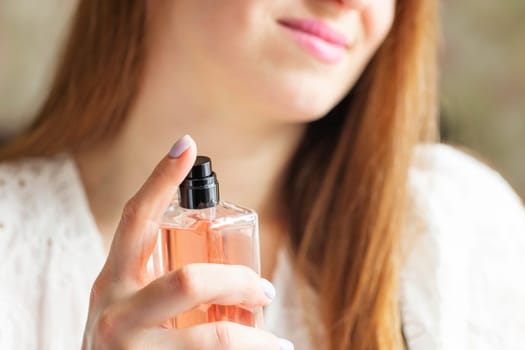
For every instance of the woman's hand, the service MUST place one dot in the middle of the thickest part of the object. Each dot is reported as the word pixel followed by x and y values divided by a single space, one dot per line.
pixel 126 312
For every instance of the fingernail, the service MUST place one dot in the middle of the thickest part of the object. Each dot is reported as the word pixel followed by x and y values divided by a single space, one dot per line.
pixel 268 288
pixel 180 146
pixel 285 344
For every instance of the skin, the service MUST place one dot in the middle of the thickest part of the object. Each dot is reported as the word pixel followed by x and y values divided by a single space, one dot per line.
pixel 225 73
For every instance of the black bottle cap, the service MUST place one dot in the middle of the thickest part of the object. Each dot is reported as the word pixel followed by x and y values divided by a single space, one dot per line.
pixel 200 189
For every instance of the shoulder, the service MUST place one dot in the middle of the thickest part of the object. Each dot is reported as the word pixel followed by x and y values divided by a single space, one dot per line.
pixel 50 252
pixel 463 252
pixel 35 194
pixel 26 181
pixel 455 196
pixel 449 173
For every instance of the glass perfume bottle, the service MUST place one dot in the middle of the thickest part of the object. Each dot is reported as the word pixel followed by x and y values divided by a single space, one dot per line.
pixel 199 228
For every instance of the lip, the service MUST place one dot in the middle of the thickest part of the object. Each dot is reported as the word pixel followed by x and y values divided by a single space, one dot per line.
pixel 316 37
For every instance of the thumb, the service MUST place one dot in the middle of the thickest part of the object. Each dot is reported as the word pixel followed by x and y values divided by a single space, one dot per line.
pixel 136 232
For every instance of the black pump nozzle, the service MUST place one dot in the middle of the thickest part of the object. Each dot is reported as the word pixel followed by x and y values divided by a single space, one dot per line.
pixel 200 189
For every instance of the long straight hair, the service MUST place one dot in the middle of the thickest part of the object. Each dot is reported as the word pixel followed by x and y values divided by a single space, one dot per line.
pixel 345 206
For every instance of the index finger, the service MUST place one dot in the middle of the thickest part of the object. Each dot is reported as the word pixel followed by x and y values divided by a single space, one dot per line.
pixel 136 233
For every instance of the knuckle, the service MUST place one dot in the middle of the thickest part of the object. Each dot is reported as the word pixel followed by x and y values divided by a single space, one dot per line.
pixel 110 332
pixel 132 210
pixel 137 213
pixel 186 282
pixel 106 327
pixel 222 336
pixel 96 292
pixel 100 288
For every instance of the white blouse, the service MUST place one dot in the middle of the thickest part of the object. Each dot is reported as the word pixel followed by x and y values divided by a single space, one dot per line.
pixel 462 282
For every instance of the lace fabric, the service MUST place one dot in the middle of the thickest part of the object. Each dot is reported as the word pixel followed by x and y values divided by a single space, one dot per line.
pixel 51 253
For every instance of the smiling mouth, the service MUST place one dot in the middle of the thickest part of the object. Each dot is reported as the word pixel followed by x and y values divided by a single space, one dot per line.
pixel 317 38
pixel 316 28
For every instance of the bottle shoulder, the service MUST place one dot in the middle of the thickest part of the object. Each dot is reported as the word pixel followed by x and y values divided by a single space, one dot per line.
pixel 225 213
pixel 230 209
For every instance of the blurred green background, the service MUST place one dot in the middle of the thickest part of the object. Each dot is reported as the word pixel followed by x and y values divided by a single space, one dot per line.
pixel 483 82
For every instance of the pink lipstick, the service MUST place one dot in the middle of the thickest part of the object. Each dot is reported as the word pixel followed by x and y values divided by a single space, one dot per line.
pixel 317 38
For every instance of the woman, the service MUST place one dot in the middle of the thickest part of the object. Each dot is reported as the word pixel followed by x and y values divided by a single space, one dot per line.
pixel 371 242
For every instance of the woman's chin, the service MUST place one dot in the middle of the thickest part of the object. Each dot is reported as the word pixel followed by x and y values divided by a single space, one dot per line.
pixel 306 109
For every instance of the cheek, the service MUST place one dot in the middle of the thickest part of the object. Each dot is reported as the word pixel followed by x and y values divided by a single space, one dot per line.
pixel 225 31
pixel 211 21
pixel 225 19
pixel 377 18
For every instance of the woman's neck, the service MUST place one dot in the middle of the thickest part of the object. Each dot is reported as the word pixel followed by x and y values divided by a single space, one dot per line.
pixel 247 162
pixel 248 166
pixel 249 151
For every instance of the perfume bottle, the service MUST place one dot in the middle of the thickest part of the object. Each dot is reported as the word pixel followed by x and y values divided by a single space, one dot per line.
pixel 199 228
